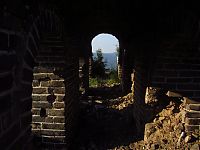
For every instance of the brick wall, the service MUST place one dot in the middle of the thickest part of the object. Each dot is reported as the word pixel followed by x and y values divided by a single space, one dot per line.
pixel 177 68
pixel 19 43
pixel 126 72
pixel 139 84
pixel 48 106
pixel 55 93
pixel 191 117
pixel 16 88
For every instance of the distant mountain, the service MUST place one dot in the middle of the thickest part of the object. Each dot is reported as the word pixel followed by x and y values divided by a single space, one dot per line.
pixel 110 60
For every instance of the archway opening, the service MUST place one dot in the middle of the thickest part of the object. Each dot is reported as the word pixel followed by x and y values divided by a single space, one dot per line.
pixel 105 111
pixel 105 48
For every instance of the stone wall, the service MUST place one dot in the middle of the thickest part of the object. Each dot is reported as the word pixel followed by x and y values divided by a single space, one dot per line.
pixel 191 116
pixel 19 44
pixel 177 68
pixel 15 91
pixel 139 80
pixel 55 93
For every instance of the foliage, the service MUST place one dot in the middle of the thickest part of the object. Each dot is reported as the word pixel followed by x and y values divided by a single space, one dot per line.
pixel 98 66
pixel 117 50
pixel 110 79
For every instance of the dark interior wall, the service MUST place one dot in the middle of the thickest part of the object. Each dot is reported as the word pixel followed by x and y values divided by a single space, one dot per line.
pixel 20 34
pixel 23 23
pixel 177 67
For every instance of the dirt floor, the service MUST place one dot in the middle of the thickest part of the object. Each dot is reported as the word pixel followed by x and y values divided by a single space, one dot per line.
pixel 106 123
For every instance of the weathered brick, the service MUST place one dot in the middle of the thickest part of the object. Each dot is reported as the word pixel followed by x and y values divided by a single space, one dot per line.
pixel 192 121
pixel 60 98
pixel 53 139
pixel 59 105
pixel 59 90
pixel 36 83
pixel 52 84
pixel 43 70
pixel 55 112
pixel 50 132
pixel 38 76
pixel 40 90
pixel 35 111
pixel 41 104
pixel 193 114
pixel 49 119
pixel 54 77
pixel 192 128
pixel 59 119
pixel 38 119
pixel 193 107
pixel 36 125
pixel 58 126
pixel 39 98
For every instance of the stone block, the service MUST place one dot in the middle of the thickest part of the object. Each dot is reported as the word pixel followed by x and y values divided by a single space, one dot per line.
pixel 38 119
pixel 193 114
pixel 41 104
pixel 36 83
pixel 193 128
pixel 52 83
pixel 192 121
pixel 57 126
pixel 193 107
pixel 59 105
pixel 52 132
pixel 59 119
pixel 53 139
pixel 60 90
pixel 55 112
pixel 40 90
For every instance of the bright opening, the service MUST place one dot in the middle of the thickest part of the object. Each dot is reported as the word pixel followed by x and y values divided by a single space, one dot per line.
pixel 105 48
pixel 108 44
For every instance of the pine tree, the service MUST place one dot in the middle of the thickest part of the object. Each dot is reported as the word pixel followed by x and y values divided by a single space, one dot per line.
pixel 98 65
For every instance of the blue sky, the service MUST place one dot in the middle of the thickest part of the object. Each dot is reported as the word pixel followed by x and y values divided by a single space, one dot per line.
pixel 106 42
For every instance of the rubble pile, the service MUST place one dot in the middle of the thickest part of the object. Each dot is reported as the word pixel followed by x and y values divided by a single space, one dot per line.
pixel 166 131
pixel 111 126
pixel 121 102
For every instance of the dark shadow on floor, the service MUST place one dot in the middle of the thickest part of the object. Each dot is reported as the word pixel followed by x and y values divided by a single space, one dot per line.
pixel 102 128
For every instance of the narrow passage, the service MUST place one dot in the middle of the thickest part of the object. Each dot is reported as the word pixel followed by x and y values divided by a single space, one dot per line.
pixel 106 120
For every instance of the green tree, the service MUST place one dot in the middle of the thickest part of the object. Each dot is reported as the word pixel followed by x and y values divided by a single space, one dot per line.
pixel 98 65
